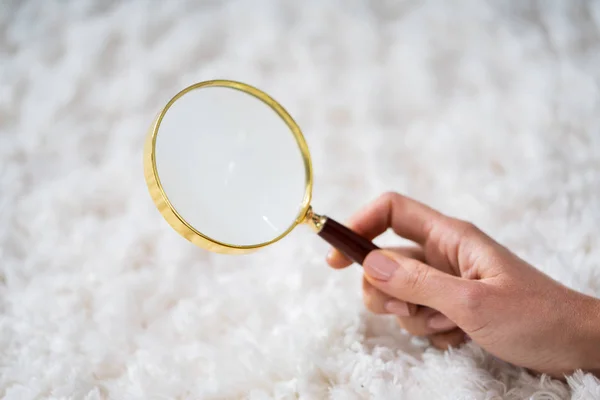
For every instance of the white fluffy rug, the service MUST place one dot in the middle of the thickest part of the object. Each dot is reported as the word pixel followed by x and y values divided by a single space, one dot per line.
pixel 487 110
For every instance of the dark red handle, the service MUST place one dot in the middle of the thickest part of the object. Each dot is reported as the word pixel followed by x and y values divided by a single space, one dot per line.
pixel 354 246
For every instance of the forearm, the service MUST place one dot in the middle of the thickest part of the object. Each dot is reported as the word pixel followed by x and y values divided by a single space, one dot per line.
pixel 590 340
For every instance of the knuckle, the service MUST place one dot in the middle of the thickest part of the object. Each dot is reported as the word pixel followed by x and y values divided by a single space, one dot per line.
pixel 429 225
pixel 391 199
pixel 416 276
pixel 467 228
pixel 390 195
pixel 473 296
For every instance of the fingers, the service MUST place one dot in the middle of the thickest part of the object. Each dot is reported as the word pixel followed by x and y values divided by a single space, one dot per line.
pixel 438 322
pixel 337 260
pixel 407 217
pixel 412 281
pixel 411 220
pixel 419 321
pixel 380 303
pixel 445 340
pixel 419 324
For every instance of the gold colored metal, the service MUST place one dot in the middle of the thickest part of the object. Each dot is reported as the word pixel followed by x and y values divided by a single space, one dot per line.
pixel 314 220
pixel 176 220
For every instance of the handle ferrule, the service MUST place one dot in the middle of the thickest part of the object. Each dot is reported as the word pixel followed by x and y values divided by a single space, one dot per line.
pixel 315 220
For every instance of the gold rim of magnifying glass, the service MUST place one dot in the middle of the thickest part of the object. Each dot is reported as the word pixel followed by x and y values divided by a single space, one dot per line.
pixel 169 212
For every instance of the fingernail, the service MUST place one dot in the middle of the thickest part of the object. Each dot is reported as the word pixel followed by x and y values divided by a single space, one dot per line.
pixel 440 322
pixel 378 266
pixel 397 307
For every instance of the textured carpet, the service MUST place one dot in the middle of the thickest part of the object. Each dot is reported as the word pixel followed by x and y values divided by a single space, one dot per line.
pixel 489 111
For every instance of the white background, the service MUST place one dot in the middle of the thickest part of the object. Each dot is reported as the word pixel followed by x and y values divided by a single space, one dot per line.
pixel 487 112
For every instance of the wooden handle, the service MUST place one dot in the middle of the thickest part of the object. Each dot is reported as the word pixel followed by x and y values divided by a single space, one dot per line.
pixel 351 244
pixel 354 246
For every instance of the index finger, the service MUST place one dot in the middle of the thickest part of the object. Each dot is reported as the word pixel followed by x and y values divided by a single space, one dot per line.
pixel 408 218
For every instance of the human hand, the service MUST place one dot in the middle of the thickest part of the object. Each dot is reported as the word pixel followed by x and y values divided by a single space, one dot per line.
pixel 465 282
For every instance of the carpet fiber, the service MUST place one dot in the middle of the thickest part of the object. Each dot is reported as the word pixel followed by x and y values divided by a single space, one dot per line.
pixel 489 111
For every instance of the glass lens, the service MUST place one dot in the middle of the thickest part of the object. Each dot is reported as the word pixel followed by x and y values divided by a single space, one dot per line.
pixel 230 166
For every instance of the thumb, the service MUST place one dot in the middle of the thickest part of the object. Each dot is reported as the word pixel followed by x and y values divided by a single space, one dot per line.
pixel 415 282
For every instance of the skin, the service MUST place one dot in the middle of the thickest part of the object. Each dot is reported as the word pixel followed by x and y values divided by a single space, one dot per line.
pixel 457 281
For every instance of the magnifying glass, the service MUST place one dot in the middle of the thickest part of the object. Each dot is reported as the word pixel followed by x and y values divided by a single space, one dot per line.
pixel 229 170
